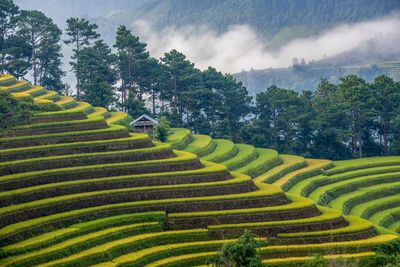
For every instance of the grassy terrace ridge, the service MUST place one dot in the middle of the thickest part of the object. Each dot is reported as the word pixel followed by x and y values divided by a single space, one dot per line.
pixel 35 91
pixel 245 154
pixel 65 137
pixel 99 111
pixel 7 80
pixel 266 160
pixel 209 168
pixel 237 179
pixel 72 148
pixel 296 261
pixel 314 167
pixel 297 202
pixel 356 164
pixel 146 256
pixel 116 248
pixel 60 235
pixel 101 211
pixel 116 116
pixel 50 95
pixel 181 157
pixel 381 206
pixel 179 138
pixel 327 215
pixel 347 202
pixel 57 124
pixel 80 243
pixel 325 194
pixel 109 197
pixel 74 160
pixel 201 145
pixel 224 150
pixel 64 100
pixel 16 87
pixel 355 224
pixel 289 164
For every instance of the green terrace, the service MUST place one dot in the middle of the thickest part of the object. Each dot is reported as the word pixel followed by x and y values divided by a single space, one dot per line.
pixel 77 189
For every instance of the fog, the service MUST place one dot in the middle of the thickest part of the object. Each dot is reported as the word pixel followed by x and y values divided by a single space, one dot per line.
pixel 241 48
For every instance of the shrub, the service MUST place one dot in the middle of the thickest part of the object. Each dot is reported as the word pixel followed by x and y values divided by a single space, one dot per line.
pixel 163 129
pixel 244 252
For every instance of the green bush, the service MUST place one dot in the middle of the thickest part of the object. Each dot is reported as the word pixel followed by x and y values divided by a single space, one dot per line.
pixel 243 252
pixel 163 130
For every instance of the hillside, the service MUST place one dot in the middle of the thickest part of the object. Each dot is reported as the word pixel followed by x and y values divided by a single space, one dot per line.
pixel 78 189
pixel 282 20
pixel 307 77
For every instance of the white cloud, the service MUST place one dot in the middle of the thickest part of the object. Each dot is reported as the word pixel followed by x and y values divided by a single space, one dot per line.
pixel 240 48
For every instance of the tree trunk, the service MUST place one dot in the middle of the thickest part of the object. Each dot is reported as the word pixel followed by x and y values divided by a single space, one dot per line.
pixel 3 55
pixel 359 140
pixel 187 118
pixel 354 136
pixel 154 102
pixel 34 59
pixel 212 117
pixel 175 93
pixel 275 135
pixel 78 84
pixel 385 137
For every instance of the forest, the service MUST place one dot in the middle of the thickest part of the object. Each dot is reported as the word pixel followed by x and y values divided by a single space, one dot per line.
pixel 352 119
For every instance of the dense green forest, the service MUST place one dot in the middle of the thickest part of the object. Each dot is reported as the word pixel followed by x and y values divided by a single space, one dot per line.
pixel 352 118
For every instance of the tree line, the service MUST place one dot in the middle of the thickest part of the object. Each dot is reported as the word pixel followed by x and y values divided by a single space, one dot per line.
pixel 348 120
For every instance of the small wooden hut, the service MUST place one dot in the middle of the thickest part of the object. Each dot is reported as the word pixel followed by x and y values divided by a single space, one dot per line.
pixel 144 124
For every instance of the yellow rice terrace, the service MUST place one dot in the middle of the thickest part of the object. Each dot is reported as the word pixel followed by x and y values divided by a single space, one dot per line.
pixel 78 189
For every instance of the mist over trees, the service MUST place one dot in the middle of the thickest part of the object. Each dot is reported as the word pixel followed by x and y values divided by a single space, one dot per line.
pixel 351 119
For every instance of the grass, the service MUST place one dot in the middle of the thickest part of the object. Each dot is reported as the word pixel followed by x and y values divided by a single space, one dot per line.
pixel 290 163
pixel 325 194
pixel 355 224
pixel 356 164
pixel 82 242
pixel 58 124
pixel 224 150
pixel 245 154
pixel 46 137
pixel 297 203
pixel 19 227
pixel 201 145
pixel 381 217
pixel 116 248
pixel 347 202
pixel 116 117
pixel 35 91
pixel 16 87
pixel 239 179
pixel 369 208
pixel 179 138
pixel 266 160
pixel 99 111
pixel 314 167
pixel 70 148
pixel 327 215
pixel 50 95
pixel 64 100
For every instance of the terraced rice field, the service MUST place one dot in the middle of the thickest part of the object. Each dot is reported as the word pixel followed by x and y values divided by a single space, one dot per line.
pixel 77 189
